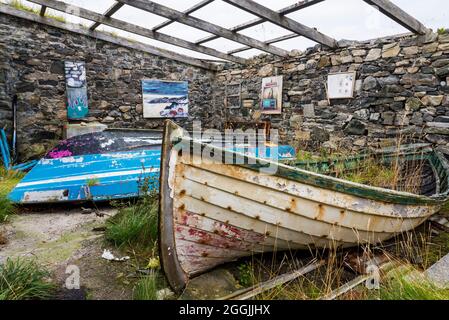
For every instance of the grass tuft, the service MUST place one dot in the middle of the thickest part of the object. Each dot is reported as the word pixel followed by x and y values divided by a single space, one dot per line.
pixel 146 288
pixel 406 283
pixel 136 225
pixel 24 280
pixel 246 274
pixel 8 180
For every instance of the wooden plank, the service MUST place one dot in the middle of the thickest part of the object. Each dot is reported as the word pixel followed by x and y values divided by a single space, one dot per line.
pixel 248 293
pixel 122 25
pixel 43 9
pixel 6 9
pixel 279 39
pixel 282 21
pixel 113 9
pixel 180 17
pixel 287 10
pixel 346 287
pixel 400 16
pixel 191 10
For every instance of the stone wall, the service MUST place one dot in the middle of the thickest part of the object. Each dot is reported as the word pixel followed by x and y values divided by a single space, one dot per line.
pixel 401 92
pixel 31 65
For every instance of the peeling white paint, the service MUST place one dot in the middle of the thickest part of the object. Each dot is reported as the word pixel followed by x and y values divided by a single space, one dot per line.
pixel 40 196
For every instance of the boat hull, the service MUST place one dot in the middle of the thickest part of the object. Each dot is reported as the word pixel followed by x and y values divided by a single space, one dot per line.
pixel 94 177
pixel 105 166
pixel 99 166
pixel 213 213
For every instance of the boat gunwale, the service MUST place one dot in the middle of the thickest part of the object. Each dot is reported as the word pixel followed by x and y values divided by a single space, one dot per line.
pixel 332 183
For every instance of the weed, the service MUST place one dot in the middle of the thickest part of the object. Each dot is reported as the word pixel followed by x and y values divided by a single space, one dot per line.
pixel 93 182
pixel 8 180
pixel 6 209
pixel 406 283
pixel 135 225
pixel 147 287
pixel 442 31
pixel 246 274
pixel 24 280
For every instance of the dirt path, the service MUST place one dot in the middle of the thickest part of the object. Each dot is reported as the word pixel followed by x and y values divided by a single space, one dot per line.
pixel 61 238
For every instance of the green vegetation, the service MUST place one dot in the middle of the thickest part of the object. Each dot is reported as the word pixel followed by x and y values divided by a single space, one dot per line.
pixel 372 170
pixel 246 274
pixel 92 182
pixel 17 4
pixel 24 280
pixel 147 287
pixel 135 226
pixel 8 180
pixel 442 31
pixel 135 229
pixel 406 283
pixel 372 173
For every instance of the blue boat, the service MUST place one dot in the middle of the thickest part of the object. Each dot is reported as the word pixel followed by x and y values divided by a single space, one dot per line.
pixel 96 166
pixel 108 165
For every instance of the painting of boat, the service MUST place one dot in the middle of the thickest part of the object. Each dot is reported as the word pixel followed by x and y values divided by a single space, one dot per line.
pixel 212 212
pixel 97 166
pixel 108 165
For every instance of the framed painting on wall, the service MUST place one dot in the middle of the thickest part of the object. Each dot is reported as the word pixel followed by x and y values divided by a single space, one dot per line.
pixel 165 99
pixel 76 90
pixel 341 85
pixel 272 95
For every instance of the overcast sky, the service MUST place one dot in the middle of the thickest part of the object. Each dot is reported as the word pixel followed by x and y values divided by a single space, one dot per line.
pixel 340 19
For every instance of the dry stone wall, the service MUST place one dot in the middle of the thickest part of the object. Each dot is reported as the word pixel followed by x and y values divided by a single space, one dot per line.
pixel 401 90
pixel 401 93
pixel 32 67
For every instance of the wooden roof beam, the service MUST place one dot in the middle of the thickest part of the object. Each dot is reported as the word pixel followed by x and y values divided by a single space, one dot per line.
pixel 191 10
pixel 284 22
pixel 113 9
pixel 125 26
pixel 180 17
pixel 42 12
pixel 287 10
pixel 395 13
pixel 275 40
pixel 6 9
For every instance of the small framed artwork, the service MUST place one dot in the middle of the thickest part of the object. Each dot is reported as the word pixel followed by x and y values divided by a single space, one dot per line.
pixel 341 85
pixel 76 90
pixel 165 99
pixel 272 95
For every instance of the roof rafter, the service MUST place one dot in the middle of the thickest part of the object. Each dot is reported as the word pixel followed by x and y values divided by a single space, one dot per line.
pixel 282 21
pixel 113 9
pixel 395 13
pixel 178 16
pixel 275 40
pixel 287 10
pixel 191 10
pixel 42 12
pixel 6 9
pixel 122 25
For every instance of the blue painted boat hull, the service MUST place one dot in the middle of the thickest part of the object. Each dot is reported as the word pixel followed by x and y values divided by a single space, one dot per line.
pixel 97 177
pixel 105 166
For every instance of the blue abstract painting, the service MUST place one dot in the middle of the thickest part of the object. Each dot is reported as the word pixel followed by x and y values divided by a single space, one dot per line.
pixel 76 87
pixel 165 99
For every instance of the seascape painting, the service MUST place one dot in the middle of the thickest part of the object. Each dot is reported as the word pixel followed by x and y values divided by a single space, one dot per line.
pixel 165 99
pixel 76 90
pixel 272 95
